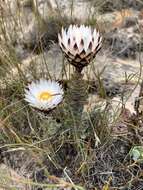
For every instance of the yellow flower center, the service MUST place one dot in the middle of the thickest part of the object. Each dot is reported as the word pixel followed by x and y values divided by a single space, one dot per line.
pixel 43 96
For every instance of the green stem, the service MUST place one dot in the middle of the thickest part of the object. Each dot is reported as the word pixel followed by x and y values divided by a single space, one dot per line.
pixel 76 99
pixel 77 95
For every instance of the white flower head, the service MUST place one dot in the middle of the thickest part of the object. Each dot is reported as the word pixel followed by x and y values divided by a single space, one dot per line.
pixel 44 94
pixel 80 44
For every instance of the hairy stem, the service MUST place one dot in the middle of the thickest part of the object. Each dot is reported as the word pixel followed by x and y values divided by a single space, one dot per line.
pixel 77 95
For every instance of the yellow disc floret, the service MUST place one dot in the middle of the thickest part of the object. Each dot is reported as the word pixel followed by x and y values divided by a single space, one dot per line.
pixel 44 96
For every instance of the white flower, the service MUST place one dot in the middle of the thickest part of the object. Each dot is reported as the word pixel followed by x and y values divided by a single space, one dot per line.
pixel 80 44
pixel 44 94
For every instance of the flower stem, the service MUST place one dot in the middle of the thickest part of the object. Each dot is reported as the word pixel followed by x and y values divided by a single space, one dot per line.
pixel 76 99
pixel 77 95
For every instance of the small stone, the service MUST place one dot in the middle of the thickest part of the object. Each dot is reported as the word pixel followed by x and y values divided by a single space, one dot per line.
pixel 10 179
